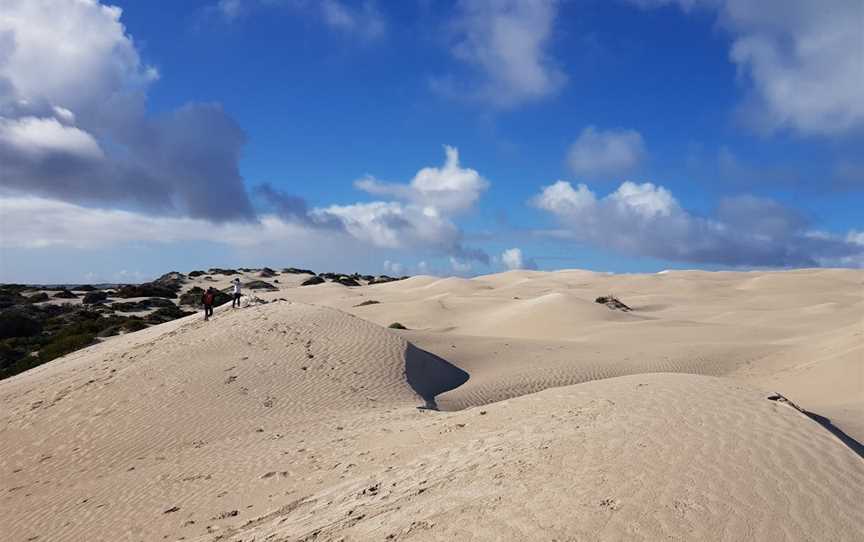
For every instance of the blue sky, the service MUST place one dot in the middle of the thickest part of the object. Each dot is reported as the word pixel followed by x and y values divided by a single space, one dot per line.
pixel 626 136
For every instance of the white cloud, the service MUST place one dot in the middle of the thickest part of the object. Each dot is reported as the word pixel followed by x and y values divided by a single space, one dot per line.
pixel 560 199
pixel 460 266
pixel 422 225
pixel 505 42
pixel 803 60
pixel 30 222
pixel 446 190
pixel 606 153
pixel 364 20
pixel 74 124
pixel 512 259
pixel 646 220
pixel 230 9
pixel 393 268
pixel 392 224
pixel 38 137
pixel 75 55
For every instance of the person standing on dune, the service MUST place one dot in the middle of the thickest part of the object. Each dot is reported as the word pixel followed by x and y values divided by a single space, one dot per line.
pixel 235 303
pixel 207 300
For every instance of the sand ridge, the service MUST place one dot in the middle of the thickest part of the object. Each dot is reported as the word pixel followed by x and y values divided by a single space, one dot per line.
pixel 298 419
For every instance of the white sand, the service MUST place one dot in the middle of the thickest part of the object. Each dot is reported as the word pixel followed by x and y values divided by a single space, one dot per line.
pixel 294 421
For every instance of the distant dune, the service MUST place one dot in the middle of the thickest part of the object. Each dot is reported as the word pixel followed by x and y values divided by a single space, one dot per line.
pixel 296 417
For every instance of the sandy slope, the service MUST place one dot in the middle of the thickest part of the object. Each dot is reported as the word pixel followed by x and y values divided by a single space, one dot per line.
pixel 797 332
pixel 294 421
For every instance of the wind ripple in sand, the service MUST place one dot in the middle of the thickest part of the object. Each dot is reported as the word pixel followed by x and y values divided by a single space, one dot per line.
pixel 292 422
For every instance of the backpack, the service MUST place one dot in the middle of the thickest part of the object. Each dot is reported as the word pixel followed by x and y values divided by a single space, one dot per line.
pixel 208 298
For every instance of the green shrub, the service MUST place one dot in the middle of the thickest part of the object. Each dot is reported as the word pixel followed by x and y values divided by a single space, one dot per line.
pixel 16 324
pixel 134 324
pixel 64 344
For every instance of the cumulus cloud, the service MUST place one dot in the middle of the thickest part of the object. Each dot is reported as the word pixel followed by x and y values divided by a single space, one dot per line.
pixel 606 153
pixel 512 259
pixel 34 138
pixel 646 220
pixel 392 224
pixel 449 189
pixel 73 127
pixel 34 223
pixel 802 60
pixel 423 222
pixel 505 45
pixel 419 215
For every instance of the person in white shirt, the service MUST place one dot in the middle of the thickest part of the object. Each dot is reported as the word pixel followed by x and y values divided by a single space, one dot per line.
pixel 236 301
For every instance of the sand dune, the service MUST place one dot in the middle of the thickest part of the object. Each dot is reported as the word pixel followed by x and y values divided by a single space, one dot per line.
pixel 560 418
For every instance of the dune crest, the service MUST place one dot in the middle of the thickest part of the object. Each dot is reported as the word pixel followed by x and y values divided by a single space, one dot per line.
pixel 299 420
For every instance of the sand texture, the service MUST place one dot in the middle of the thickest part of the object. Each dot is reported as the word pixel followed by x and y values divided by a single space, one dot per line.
pixel 560 419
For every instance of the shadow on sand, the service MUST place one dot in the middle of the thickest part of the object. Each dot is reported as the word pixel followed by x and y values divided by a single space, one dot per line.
pixel 853 444
pixel 850 442
pixel 430 375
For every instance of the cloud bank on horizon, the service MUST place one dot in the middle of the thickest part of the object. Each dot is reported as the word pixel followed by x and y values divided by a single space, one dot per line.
pixel 85 163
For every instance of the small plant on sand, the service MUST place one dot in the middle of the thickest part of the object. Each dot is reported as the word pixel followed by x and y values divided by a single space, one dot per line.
pixel 612 302
pixel 396 325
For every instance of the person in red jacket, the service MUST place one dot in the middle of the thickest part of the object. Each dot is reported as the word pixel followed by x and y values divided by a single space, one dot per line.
pixel 207 300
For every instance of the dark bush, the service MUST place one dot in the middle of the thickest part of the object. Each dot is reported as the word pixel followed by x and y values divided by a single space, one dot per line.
pixel 10 297
pixel 219 271
pixel 94 297
pixel 38 298
pixel 166 314
pixel 134 324
pixel 192 296
pixel 382 279
pixel 148 289
pixel 17 324
pixel 109 332
pixel 221 298
pixel 312 281
pixel 64 344
pixel 194 274
pixel 65 294
pixel 173 280
pixel 297 271
pixel 260 285
pixel 129 306
pixel 14 288
pixel 346 281
pixel 396 325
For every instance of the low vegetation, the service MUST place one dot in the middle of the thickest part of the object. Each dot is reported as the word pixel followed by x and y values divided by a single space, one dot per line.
pixel 41 323
pixel 30 336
